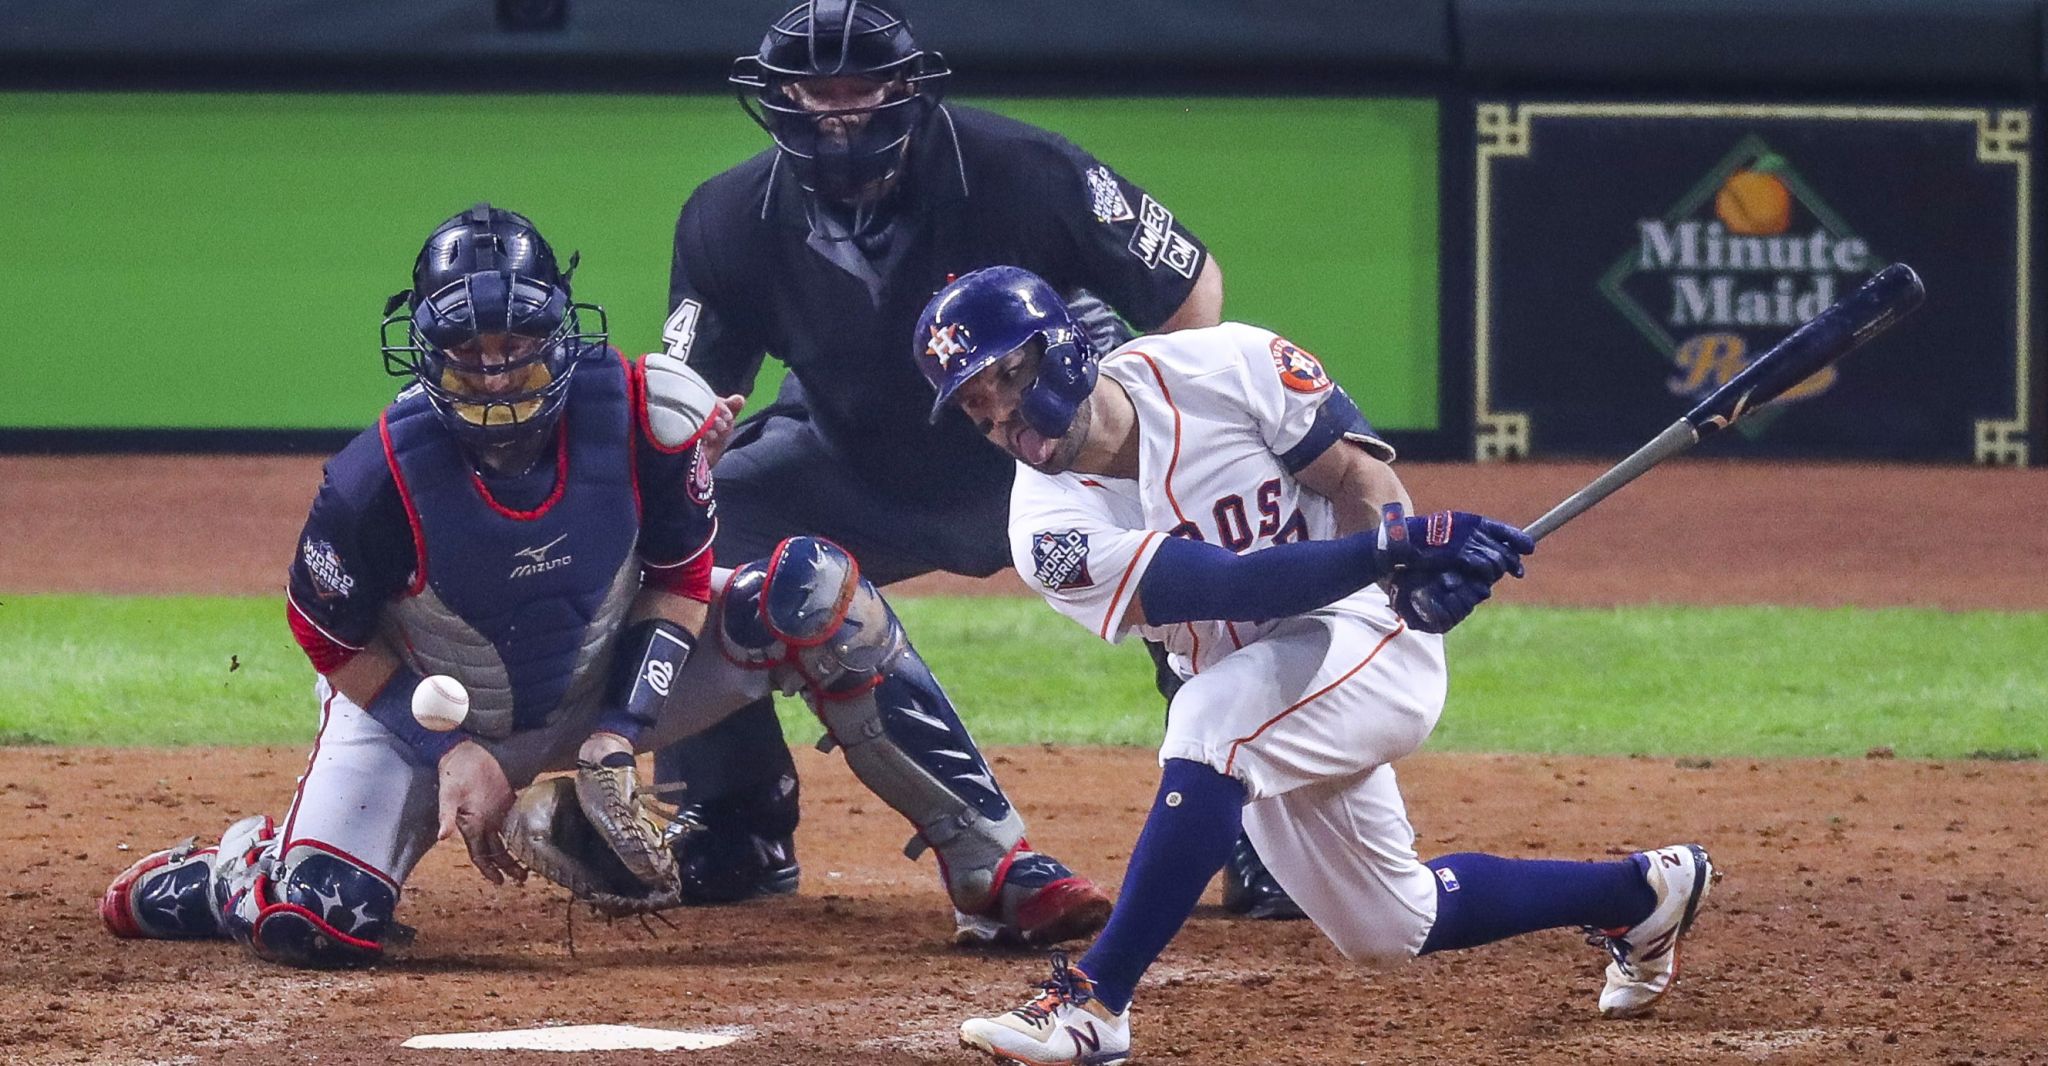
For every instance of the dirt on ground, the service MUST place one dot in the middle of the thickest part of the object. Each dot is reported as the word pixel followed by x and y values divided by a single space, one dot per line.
pixel 1872 910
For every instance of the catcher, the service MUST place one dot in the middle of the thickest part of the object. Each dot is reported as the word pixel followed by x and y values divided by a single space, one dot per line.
pixel 533 517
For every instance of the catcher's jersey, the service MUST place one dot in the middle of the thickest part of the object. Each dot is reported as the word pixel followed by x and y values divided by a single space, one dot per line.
pixel 1226 416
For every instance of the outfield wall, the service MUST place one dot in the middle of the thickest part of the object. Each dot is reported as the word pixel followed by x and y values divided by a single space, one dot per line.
pixel 219 261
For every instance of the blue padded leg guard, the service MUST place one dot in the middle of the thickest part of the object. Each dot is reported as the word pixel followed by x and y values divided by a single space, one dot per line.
pixel 807 614
pixel 1484 898
pixel 323 909
pixel 1186 838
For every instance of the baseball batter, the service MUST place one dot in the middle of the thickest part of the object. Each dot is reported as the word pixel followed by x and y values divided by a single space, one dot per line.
pixel 533 518
pixel 1215 490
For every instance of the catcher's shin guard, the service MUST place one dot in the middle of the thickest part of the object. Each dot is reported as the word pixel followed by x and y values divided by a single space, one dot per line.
pixel 806 612
pixel 311 906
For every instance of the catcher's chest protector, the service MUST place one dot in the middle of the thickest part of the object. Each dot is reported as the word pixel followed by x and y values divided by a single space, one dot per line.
pixel 520 606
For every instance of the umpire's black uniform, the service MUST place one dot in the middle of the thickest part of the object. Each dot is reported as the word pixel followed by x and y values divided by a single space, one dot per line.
pixel 846 451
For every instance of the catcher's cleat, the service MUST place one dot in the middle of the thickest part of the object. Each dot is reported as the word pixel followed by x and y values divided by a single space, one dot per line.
pixel 1038 903
pixel 1064 1023
pixel 1645 956
pixel 1249 889
pixel 164 896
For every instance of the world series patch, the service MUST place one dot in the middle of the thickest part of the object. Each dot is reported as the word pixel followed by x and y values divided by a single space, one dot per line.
pixel 330 580
pixel 1106 197
pixel 1060 560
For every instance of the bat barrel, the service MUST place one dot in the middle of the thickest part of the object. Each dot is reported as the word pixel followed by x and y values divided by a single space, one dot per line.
pixel 1889 296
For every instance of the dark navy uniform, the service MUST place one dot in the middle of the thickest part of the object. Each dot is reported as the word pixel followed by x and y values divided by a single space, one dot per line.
pixel 365 546
pixel 847 451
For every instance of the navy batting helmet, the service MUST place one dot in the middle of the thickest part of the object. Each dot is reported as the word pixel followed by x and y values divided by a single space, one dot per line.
pixel 843 153
pixel 984 316
pixel 488 328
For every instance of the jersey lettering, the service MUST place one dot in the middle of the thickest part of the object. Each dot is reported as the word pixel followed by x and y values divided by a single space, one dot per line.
pixel 680 331
pixel 1269 507
pixel 1233 528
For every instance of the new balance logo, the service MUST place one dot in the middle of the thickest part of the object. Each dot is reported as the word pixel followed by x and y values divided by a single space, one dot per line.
pixel 1090 1038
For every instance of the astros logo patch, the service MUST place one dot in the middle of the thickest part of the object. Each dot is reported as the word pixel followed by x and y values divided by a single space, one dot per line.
pixel 1299 370
pixel 1060 560
pixel 947 343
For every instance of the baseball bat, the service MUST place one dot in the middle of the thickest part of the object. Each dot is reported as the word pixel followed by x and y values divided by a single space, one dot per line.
pixel 1848 325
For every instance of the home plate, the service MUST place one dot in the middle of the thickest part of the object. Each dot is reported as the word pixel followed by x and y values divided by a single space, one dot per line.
pixel 575 1038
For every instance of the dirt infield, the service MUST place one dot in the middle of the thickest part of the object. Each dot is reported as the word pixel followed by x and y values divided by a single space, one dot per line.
pixel 1874 910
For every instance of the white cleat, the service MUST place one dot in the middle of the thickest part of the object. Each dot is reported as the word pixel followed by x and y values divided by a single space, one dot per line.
pixel 1064 1024
pixel 1645 964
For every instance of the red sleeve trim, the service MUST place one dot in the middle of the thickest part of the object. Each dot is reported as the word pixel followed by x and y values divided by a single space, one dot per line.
pixel 326 653
pixel 690 579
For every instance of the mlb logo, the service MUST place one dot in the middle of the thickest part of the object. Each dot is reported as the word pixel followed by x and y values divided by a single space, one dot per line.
pixel 1449 879
pixel 1059 560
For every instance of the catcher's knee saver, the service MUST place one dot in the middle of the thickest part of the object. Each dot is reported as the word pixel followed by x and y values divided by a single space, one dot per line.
pixel 310 906
pixel 806 612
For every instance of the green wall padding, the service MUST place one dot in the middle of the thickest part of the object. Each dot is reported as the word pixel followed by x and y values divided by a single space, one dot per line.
pixel 219 261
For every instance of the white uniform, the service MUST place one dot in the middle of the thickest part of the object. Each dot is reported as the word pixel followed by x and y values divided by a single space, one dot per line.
pixel 1308 711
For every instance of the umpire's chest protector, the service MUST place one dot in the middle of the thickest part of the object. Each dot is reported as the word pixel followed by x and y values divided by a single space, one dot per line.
pixel 520 606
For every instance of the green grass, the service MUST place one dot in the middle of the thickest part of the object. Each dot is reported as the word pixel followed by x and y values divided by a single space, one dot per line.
pixel 1743 681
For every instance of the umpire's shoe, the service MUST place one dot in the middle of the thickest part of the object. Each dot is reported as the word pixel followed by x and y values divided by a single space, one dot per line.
pixel 1645 955
pixel 746 848
pixel 1249 888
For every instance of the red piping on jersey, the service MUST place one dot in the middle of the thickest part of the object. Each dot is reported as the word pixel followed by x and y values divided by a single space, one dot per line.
pixel 1231 627
pixel 1312 697
pixel 561 484
pixel 299 793
pixel 412 514
pixel 1174 462
pixel 636 398
pixel 1109 620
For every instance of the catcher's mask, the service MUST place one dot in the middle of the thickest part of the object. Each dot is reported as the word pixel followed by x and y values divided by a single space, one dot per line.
pixel 841 86
pixel 488 328
pixel 981 317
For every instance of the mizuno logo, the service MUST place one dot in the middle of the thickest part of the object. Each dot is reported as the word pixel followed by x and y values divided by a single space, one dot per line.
pixel 541 562
pixel 540 554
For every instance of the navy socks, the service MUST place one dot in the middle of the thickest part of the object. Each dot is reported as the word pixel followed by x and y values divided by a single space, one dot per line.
pixel 1484 898
pixel 1186 839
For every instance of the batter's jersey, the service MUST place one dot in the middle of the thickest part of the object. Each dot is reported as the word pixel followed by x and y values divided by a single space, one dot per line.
pixel 749 278
pixel 1226 417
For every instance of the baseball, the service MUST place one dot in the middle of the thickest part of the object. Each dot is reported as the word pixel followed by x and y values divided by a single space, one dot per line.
pixel 440 703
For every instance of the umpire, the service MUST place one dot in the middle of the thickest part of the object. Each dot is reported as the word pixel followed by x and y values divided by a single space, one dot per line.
pixel 823 250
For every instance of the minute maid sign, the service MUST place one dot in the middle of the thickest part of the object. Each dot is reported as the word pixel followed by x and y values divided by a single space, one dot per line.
pixel 1745 256
pixel 1627 258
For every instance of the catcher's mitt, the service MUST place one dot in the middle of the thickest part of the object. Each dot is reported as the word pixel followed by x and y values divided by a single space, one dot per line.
pixel 549 832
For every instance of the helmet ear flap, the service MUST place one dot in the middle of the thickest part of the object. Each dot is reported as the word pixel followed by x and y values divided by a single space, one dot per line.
pixel 1066 375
